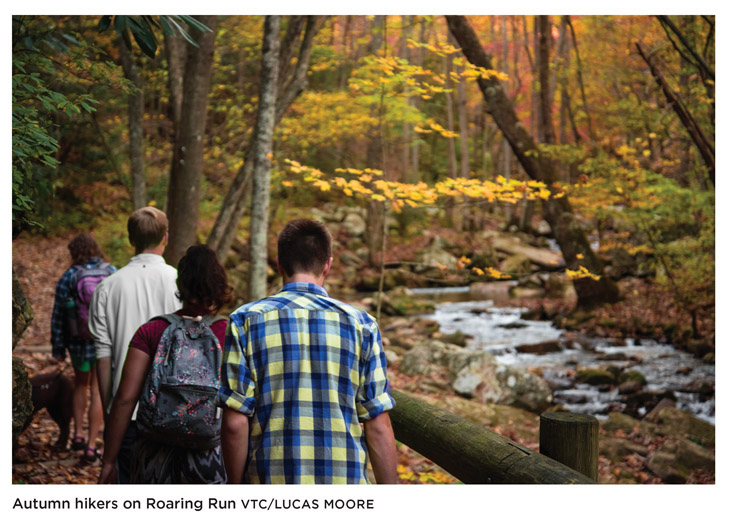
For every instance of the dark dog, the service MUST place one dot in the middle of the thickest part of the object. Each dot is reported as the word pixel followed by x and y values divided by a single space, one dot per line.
pixel 54 392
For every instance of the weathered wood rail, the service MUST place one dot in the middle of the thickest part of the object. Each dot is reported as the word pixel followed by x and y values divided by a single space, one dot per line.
pixel 470 452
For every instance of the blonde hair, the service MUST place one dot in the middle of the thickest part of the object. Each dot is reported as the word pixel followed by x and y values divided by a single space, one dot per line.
pixel 146 227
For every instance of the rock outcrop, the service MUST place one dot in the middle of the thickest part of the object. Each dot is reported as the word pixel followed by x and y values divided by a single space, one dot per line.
pixel 476 375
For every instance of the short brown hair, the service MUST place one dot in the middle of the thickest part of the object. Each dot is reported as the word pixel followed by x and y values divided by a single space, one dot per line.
pixel 83 248
pixel 304 246
pixel 201 277
pixel 147 227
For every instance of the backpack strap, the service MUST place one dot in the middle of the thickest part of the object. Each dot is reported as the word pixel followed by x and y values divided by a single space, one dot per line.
pixel 170 318
pixel 212 319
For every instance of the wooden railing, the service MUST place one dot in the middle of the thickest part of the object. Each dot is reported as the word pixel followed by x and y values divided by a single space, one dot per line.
pixel 476 455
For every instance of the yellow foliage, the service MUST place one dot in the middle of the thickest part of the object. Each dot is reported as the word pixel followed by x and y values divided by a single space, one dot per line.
pixel 581 273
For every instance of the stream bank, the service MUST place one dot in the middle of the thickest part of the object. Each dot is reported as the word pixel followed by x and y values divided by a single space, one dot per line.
pixel 482 358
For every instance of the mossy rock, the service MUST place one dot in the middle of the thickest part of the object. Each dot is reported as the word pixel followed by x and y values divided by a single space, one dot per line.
pixel 632 376
pixel 673 422
pixel 595 377
pixel 516 265
pixel 614 370
pixel 457 338
pixel 22 399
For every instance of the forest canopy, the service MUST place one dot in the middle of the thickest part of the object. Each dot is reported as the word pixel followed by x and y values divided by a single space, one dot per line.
pixel 606 119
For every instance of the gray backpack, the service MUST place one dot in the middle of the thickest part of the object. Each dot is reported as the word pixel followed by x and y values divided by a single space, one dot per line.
pixel 177 403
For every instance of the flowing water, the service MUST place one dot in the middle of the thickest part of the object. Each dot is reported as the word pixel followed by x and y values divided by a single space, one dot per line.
pixel 502 332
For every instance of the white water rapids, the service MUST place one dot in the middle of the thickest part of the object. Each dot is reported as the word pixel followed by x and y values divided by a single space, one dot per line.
pixel 501 330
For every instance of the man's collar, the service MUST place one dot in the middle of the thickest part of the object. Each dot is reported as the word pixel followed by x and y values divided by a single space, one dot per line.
pixel 305 287
pixel 147 258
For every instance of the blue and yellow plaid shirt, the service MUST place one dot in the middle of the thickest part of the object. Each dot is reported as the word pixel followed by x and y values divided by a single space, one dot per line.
pixel 306 369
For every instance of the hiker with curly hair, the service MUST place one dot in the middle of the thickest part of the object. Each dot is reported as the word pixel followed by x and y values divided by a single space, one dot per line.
pixel 178 439
pixel 70 332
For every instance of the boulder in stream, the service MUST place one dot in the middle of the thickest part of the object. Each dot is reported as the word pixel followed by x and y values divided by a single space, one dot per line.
pixel 477 375
pixel 595 377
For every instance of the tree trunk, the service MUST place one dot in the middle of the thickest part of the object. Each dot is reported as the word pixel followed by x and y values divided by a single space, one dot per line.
pixel 545 94
pixel 176 56
pixel 419 58
pixel 405 54
pixel 183 198
pixel 262 159
pixel 506 153
pixel 135 111
pixel 235 203
pixel 590 132
pixel 452 212
pixel 375 210
pixel 557 211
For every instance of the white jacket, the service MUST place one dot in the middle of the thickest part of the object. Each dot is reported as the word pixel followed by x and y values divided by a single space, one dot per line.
pixel 125 300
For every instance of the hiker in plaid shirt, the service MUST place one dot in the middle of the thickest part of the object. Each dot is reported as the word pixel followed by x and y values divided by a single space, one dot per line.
pixel 85 254
pixel 300 372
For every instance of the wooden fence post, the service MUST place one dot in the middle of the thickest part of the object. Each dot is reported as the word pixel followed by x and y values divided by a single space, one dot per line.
pixel 571 439
pixel 469 451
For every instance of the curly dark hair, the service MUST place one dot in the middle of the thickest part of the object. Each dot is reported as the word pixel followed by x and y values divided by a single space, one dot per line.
pixel 202 278
pixel 83 247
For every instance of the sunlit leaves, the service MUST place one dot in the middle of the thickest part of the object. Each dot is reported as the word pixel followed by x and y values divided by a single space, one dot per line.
pixel 368 185
pixel 581 273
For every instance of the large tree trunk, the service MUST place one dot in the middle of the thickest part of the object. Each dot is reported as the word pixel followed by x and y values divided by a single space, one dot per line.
pixel 235 203
pixel 176 54
pixel 262 159
pixel 545 91
pixel 557 211
pixel 135 111
pixel 183 197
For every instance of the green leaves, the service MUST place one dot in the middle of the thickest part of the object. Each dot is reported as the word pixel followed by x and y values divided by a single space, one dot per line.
pixel 142 29
pixel 35 105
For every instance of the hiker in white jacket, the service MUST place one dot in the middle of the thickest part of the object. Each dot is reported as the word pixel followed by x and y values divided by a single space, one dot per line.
pixel 124 301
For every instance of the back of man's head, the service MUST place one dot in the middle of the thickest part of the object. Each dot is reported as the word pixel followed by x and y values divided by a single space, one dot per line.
pixel 147 228
pixel 304 246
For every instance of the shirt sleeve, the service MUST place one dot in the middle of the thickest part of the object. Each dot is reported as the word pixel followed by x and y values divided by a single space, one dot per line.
pixel 147 337
pixel 373 397
pixel 63 292
pixel 219 329
pixel 98 323
pixel 237 388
